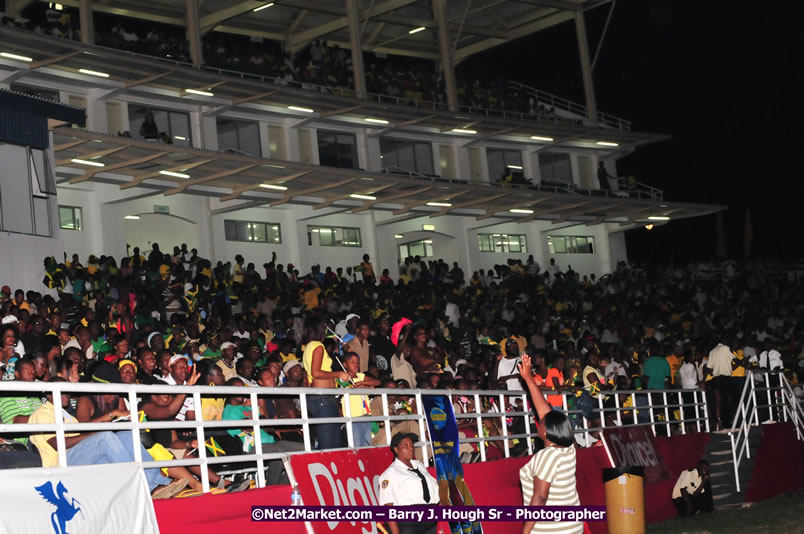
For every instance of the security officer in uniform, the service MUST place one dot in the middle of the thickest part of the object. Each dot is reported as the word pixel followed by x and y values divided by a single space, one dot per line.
pixel 406 482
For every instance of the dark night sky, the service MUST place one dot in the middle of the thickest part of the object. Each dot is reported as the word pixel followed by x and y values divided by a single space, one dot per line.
pixel 726 82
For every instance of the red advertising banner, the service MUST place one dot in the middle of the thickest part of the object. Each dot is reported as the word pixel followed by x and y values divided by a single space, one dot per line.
pixel 635 445
pixel 341 478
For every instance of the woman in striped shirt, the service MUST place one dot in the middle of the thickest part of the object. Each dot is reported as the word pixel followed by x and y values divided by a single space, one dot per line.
pixel 548 479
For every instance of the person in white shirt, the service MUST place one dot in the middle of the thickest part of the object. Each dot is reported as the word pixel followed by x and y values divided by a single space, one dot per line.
pixel 406 482
pixel 693 491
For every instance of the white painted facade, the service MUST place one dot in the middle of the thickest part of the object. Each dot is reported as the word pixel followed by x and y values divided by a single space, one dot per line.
pixel 198 220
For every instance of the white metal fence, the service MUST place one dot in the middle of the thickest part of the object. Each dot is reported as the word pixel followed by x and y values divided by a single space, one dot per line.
pixel 767 397
pixel 516 424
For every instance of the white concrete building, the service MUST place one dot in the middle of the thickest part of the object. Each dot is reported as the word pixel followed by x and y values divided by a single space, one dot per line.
pixel 254 167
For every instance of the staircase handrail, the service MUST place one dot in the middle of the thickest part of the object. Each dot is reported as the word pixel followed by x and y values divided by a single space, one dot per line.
pixel 791 403
pixel 741 427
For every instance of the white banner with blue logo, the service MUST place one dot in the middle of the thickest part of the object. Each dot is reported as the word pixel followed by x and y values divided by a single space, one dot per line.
pixel 90 499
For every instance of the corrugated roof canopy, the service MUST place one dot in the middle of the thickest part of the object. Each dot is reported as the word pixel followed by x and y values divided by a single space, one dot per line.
pixel 241 182
pixel 475 25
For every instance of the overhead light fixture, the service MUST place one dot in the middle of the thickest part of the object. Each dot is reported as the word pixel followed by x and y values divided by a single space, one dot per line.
pixel 417 30
pixel 440 204
pixel 399 236
pixel 180 138
pixel 273 186
pixel 362 197
pixel 542 138
pixel 87 162
pixel 367 179
pixel 658 218
pixel 464 131
pixel 93 73
pixel 519 167
pixel 262 7
pixel 299 108
pixel 648 227
pixel 376 121
pixel 607 143
pixel 199 92
pixel 132 217
pixel 275 166
pixel 428 227
pixel 428 241
pixel 314 230
pixel 517 210
pixel 174 174
pixel 16 57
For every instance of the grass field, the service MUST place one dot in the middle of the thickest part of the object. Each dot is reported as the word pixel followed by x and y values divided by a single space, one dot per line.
pixel 779 515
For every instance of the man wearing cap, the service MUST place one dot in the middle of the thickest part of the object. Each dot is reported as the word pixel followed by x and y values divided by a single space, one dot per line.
pixel 406 482
pixel 179 371
pixel 226 363
pixel 347 327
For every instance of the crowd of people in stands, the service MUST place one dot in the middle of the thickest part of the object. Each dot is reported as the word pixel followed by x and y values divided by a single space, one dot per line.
pixel 180 319
pixel 319 66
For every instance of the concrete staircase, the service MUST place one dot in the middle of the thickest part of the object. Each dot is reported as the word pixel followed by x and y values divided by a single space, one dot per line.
pixel 719 455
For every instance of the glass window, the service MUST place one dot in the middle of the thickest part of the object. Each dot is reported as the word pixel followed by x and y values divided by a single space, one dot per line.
pixel 558 244
pixel 337 150
pixel 409 155
pixel 260 232
pixel 243 136
pixel 502 243
pixel 70 218
pixel 175 125
pixel 501 162
pixel 423 248
pixel 331 236
pixel 555 166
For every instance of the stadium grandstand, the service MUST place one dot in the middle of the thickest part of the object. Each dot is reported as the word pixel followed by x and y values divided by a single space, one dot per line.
pixel 302 197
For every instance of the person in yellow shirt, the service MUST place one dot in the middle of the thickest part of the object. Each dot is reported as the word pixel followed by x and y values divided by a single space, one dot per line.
pixel 88 448
pixel 310 295
pixel 359 404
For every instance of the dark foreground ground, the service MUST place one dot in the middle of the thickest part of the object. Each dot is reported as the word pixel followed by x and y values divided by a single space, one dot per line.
pixel 780 515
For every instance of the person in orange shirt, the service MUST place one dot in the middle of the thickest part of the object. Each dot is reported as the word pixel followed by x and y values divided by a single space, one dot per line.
pixel 675 364
pixel 310 295
pixel 368 270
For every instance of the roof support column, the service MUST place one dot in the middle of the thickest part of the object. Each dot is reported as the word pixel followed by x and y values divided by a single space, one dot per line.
pixel 586 68
pixel 194 33
pixel 86 21
pixel 358 73
pixel 447 65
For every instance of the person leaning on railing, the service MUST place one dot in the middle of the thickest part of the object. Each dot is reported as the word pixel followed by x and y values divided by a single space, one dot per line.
pixel 88 448
pixel 319 367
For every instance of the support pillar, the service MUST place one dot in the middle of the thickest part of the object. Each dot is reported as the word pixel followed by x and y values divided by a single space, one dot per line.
pixel 447 64
pixel 87 22
pixel 586 68
pixel 194 33
pixel 358 72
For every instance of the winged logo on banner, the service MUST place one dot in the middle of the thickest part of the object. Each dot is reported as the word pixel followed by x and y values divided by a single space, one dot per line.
pixel 65 508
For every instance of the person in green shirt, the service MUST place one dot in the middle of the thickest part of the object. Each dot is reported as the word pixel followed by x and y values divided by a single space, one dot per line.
pixel 657 372
pixel 239 408
pixel 213 346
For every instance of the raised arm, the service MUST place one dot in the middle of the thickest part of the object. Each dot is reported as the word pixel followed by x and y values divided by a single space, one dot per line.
pixel 539 402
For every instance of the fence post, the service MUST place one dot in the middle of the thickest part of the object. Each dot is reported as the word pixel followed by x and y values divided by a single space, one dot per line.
pixel 202 446
pixel 255 417
pixel 681 413
pixel 135 432
pixel 61 444
pixel 422 427
pixel 480 435
pixel 503 424
pixel 306 424
pixel 527 421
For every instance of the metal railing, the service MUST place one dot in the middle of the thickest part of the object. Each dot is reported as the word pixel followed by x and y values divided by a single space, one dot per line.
pixel 783 405
pixel 580 110
pixel 503 406
pixel 639 192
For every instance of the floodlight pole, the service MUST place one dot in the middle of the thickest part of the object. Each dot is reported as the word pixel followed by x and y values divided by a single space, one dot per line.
pixel 358 72
pixel 447 65
pixel 194 33
pixel 586 68
pixel 86 22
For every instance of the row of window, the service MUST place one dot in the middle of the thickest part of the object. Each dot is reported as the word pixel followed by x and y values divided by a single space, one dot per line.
pixel 341 236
